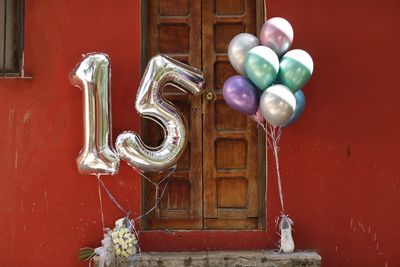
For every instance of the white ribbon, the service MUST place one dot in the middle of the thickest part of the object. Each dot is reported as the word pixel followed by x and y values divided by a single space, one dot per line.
pixel 274 134
pixel 105 252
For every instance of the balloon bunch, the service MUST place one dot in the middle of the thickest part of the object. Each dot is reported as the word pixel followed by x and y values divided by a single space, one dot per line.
pixel 271 77
pixel 269 89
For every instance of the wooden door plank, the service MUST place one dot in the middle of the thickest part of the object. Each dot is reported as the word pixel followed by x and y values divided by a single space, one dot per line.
pixel 231 224
pixel 230 155
pixel 209 190
pixel 173 27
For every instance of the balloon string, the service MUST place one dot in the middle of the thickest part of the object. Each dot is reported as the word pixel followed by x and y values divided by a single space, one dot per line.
pixel 276 154
pixel 157 200
pixel 101 202
pixel 157 187
pixel 274 134
pixel 112 198
pixel 127 213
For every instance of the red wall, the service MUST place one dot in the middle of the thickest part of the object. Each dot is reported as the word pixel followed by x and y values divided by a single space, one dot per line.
pixel 339 160
pixel 48 211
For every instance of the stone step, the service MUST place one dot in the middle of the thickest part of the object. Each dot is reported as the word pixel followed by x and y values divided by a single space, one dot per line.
pixel 260 258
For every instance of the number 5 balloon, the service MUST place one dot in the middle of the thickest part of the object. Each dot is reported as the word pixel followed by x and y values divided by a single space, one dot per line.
pixel 150 104
pixel 92 75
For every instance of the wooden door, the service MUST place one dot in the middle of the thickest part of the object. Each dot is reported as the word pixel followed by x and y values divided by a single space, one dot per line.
pixel 219 183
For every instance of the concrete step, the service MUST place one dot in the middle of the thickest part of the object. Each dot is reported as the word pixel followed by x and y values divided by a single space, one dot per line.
pixel 259 258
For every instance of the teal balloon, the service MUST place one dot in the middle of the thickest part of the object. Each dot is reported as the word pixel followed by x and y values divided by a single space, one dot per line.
pixel 295 69
pixel 261 66
pixel 300 106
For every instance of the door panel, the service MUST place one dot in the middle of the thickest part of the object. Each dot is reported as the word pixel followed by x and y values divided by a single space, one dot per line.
pixel 216 184
pixel 230 139
pixel 173 29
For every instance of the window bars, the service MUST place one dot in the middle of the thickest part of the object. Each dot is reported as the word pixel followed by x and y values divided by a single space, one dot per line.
pixel 11 37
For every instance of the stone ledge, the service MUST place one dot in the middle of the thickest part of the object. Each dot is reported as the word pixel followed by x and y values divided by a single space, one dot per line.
pixel 226 258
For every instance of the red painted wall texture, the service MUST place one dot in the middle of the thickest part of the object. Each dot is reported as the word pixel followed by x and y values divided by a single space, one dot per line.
pixel 339 161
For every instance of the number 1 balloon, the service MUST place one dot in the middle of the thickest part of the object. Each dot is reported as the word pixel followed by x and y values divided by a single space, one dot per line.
pixel 92 75
pixel 150 104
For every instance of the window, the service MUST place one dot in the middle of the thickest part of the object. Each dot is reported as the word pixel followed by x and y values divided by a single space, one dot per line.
pixel 11 37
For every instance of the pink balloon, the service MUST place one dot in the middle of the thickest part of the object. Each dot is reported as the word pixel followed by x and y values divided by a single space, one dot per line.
pixel 277 34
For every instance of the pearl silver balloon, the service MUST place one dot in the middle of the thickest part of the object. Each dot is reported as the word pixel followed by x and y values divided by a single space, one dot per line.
pixel 238 48
pixel 277 104
pixel 150 104
pixel 277 34
pixel 93 76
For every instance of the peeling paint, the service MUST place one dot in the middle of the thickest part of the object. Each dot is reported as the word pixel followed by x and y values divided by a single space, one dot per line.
pixel 46 200
pixel 27 116
pixel 362 226
pixel 16 160
pixel 11 114
pixel 21 204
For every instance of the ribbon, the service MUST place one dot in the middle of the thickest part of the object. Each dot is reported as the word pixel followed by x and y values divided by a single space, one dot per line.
pixel 274 134
pixel 105 252
pixel 101 202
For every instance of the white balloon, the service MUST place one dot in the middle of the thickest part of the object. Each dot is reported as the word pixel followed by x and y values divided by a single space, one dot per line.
pixel 238 49
pixel 277 104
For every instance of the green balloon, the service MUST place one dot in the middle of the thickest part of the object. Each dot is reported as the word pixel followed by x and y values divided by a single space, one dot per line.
pixel 295 69
pixel 261 66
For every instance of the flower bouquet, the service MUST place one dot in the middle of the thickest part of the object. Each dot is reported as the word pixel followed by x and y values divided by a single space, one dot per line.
pixel 118 245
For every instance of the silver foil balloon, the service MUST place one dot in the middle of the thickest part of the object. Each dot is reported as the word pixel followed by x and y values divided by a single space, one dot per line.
pixel 277 104
pixel 93 75
pixel 150 104
pixel 238 48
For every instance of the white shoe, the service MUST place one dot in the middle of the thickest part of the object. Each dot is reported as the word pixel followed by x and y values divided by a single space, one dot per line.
pixel 287 244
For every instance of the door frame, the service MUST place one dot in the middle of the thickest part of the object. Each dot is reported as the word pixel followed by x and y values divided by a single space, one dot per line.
pixel 261 15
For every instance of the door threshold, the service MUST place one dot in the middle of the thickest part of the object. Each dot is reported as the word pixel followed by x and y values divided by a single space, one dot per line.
pixel 253 258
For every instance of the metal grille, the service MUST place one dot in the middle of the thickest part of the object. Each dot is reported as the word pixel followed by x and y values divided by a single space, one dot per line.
pixel 11 37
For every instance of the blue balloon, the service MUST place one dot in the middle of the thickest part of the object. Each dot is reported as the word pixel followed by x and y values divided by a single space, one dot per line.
pixel 300 106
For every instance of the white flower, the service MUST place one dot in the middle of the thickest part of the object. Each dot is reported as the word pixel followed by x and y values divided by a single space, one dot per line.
pixel 124 241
